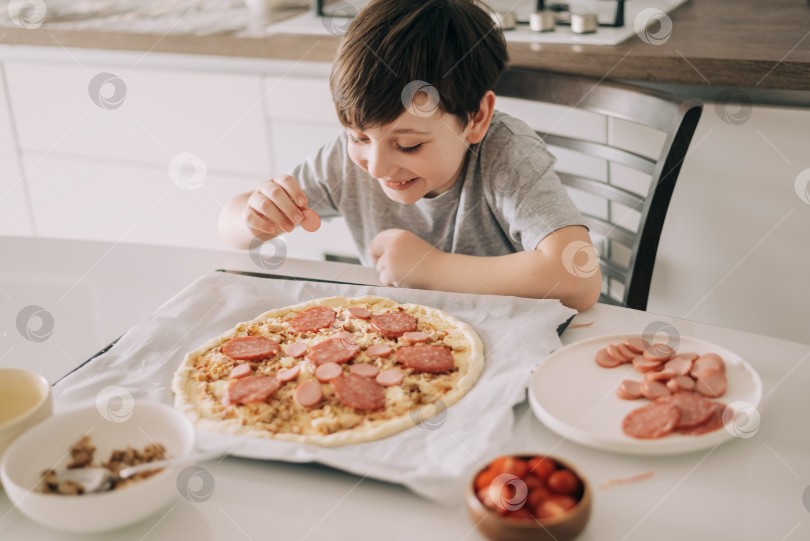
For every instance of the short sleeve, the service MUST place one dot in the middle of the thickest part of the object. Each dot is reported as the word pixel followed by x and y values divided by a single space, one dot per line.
pixel 522 189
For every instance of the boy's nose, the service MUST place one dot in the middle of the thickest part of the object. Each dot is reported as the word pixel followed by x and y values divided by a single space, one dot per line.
pixel 380 165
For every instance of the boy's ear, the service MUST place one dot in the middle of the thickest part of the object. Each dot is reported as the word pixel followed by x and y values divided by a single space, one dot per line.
pixel 479 123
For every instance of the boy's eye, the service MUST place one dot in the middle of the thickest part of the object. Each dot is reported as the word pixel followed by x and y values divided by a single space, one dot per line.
pixel 355 140
pixel 408 150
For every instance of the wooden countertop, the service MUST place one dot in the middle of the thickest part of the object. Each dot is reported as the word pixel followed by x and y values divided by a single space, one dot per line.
pixel 740 43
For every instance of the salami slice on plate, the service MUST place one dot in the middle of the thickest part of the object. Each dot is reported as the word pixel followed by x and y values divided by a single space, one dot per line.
pixel 651 421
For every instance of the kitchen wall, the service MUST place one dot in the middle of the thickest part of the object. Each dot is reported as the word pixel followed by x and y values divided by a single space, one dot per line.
pixel 734 250
pixel 191 132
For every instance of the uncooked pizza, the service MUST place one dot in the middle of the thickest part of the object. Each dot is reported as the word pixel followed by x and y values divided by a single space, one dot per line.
pixel 332 371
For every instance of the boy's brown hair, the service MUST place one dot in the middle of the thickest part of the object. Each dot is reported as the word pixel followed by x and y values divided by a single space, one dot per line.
pixel 395 45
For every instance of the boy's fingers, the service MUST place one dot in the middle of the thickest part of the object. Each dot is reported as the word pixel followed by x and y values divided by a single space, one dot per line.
pixel 376 248
pixel 278 206
pixel 380 243
pixel 384 276
pixel 311 221
pixel 258 224
pixel 293 189
pixel 262 236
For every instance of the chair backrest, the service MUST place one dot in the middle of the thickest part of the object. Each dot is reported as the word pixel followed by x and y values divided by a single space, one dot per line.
pixel 594 128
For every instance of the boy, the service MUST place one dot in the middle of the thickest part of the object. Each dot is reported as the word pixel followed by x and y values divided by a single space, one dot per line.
pixel 439 190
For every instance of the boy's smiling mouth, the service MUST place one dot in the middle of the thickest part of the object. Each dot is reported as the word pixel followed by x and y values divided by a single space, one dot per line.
pixel 398 184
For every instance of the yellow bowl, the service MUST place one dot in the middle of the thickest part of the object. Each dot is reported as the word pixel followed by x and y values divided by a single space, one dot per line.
pixel 498 527
pixel 25 400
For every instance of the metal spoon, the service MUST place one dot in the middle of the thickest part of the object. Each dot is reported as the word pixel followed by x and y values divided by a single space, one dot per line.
pixel 96 479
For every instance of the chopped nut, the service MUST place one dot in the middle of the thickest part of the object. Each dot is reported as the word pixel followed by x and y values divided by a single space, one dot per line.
pixel 71 487
pixel 349 420
pixel 81 453
pixel 50 480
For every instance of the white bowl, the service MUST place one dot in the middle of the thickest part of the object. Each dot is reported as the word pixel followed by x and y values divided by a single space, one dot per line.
pixel 47 446
pixel 25 400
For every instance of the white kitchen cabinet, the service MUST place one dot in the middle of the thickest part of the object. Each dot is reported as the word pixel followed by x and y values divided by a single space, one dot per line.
pixel 121 202
pixel 97 155
pixel 302 99
pixel 301 118
pixel 15 218
pixel 294 142
pixel 140 116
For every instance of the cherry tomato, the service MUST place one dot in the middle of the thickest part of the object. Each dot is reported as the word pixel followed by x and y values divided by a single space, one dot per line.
pixel 510 464
pixel 548 509
pixel 483 495
pixel 497 464
pixel 563 482
pixel 532 481
pixel 522 514
pixel 566 502
pixel 484 479
pixel 542 466
pixel 508 492
pixel 536 496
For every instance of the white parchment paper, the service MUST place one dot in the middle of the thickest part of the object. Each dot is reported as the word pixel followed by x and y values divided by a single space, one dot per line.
pixel 433 458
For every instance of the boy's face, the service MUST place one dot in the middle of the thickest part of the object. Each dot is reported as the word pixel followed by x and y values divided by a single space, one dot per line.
pixel 413 156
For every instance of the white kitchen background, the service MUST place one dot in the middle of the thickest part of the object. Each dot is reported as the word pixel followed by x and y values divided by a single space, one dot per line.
pixel 127 147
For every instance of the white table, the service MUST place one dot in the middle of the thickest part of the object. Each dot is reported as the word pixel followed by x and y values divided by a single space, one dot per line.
pixel 755 488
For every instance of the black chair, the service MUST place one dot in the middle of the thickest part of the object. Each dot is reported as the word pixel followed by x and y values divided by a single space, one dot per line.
pixel 623 193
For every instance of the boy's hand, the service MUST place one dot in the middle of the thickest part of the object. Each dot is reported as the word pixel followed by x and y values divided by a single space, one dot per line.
pixel 278 205
pixel 402 258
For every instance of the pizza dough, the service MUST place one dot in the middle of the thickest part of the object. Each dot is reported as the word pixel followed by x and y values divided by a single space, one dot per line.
pixel 333 371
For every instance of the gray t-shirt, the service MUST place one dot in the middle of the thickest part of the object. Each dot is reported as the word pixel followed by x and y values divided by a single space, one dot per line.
pixel 506 200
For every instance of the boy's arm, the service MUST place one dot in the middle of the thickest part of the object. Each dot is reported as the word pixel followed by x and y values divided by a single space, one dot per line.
pixel 563 266
pixel 232 226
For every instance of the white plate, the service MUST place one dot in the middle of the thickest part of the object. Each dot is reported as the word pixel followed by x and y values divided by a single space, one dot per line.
pixel 576 398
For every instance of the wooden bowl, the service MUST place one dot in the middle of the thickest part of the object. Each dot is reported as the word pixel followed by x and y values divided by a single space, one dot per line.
pixel 497 526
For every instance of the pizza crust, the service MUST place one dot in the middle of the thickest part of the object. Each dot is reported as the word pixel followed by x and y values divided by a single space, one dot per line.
pixel 194 397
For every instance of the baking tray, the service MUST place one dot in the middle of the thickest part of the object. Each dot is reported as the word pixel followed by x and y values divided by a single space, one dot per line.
pixel 560 329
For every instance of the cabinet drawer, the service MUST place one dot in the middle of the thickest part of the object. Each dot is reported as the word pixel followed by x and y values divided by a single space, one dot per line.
pixel 294 142
pixel 300 99
pixel 82 200
pixel 90 201
pixel 140 116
